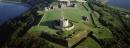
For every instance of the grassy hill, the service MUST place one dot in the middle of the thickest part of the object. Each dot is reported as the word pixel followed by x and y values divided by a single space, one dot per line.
pixel 110 27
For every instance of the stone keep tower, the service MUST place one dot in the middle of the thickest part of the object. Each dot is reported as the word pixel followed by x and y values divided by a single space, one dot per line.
pixel 64 22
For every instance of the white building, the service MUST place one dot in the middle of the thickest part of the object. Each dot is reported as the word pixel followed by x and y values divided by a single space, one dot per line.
pixel 65 1
pixel 68 2
pixel 64 22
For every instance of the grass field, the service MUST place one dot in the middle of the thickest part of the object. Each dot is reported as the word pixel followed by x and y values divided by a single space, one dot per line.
pixel 73 14
pixel 88 43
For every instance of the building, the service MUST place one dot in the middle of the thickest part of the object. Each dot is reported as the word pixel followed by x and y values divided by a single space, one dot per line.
pixel 64 22
pixel 69 2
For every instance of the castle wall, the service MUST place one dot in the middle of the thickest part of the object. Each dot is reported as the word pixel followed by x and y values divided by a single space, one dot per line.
pixel 69 42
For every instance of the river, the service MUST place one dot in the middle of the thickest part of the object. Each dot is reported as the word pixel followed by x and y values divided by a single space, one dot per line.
pixel 120 3
pixel 11 10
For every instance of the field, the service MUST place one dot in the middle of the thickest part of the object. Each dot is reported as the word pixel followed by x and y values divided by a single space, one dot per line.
pixel 89 43
pixel 73 14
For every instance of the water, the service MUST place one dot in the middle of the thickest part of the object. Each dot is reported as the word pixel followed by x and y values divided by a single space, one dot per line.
pixel 11 10
pixel 120 3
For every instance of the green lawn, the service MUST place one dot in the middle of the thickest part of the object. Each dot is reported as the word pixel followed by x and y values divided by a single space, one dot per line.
pixel 102 33
pixel 73 14
pixel 88 43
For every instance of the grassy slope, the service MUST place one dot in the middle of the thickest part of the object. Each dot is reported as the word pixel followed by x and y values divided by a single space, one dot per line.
pixel 88 43
pixel 110 17
pixel 99 31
